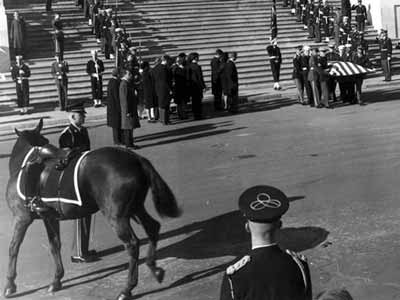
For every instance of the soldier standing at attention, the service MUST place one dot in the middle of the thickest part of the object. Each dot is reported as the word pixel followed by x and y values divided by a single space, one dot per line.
pixel 20 73
pixel 59 43
pixel 59 71
pixel 310 19
pixel 75 138
pixel 386 48
pixel 95 69
pixel 275 60
pixel 305 68
pixel 361 15
pixel 267 272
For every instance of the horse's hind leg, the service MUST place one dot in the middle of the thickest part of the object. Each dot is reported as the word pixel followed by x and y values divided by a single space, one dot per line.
pixel 53 232
pixel 152 228
pixel 124 231
pixel 21 224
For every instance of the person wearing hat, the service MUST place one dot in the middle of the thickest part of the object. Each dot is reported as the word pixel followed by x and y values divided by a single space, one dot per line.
pixel 114 107
pixel 162 86
pixel 58 38
pixel 95 69
pixel 361 15
pixel 324 78
pixel 310 7
pixel 385 49
pixel 326 10
pixel 297 75
pixel 267 272
pixel 20 73
pixel 332 56
pixel 361 59
pixel 59 71
pixel 345 30
pixel 318 22
pixel 313 77
pixel 75 139
pixel 275 60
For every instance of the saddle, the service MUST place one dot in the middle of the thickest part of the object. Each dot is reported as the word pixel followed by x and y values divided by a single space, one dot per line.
pixel 49 177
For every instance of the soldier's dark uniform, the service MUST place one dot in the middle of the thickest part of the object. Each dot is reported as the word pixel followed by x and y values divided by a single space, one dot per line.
pixel 317 23
pixel 310 19
pixel 386 48
pixel 305 68
pixel 332 56
pixel 21 83
pixel 276 59
pixel 326 14
pixel 267 272
pixel 77 139
pixel 96 82
pixel 59 72
pixel 361 16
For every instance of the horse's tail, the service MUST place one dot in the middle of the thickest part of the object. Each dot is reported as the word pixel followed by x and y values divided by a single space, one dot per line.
pixel 164 199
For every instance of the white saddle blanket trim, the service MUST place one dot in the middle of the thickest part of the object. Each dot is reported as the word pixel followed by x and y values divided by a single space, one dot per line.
pixel 44 199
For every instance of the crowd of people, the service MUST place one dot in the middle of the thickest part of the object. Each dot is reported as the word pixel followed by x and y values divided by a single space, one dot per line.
pixel 346 43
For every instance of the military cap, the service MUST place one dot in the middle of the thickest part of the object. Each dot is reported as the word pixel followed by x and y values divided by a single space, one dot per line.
pixel 384 30
pixel 76 108
pixel 348 45
pixel 18 57
pixel 118 29
pixel 109 10
pixel 263 204
pixel 93 51
pixel 341 47
pixel 322 49
pixel 306 48
pixel 300 47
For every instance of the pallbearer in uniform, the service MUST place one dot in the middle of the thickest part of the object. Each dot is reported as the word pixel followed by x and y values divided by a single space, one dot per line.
pixel 298 75
pixel 305 69
pixel 361 15
pixel 332 56
pixel 361 59
pixel 59 71
pixel 20 73
pixel 386 48
pixel 75 138
pixel 267 272
pixel 95 69
pixel 275 59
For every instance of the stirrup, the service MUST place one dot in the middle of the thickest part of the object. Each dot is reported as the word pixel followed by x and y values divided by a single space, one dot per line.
pixel 35 204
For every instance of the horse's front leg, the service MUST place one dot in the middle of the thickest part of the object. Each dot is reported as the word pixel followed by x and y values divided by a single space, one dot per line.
pixel 53 232
pixel 21 224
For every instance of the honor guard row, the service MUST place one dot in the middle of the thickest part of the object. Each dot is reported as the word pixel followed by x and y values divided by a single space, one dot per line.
pixel 267 272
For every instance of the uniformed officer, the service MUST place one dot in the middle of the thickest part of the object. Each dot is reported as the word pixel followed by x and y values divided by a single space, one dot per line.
pixel 361 59
pixel 332 56
pixel 345 30
pixel 275 59
pixel 305 67
pixel 267 272
pixel 59 71
pixel 361 15
pixel 313 77
pixel 386 48
pixel 310 7
pixel 317 22
pixel 20 73
pixel 298 75
pixel 95 69
pixel 75 138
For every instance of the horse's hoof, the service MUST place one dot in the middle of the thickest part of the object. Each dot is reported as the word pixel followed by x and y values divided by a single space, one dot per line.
pixel 159 274
pixel 54 287
pixel 124 296
pixel 10 290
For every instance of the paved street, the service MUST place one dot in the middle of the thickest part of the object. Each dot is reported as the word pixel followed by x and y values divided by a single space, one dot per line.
pixel 339 167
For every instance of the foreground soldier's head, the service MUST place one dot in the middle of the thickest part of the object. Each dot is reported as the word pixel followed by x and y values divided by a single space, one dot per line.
pixel 263 206
pixel 76 114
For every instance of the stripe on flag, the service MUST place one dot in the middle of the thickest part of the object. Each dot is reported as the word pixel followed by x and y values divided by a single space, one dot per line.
pixel 342 68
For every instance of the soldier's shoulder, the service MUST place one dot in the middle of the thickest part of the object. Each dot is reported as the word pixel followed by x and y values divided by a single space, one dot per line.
pixel 239 265
pixel 66 130
pixel 296 256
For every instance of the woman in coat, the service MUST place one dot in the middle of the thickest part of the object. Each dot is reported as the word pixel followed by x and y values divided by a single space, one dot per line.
pixel 149 96
pixel 129 115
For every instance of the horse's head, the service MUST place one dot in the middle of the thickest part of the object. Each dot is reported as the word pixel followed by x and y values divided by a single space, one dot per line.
pixel 32 136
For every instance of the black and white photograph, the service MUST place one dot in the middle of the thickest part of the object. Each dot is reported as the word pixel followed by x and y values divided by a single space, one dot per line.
pixel 200 149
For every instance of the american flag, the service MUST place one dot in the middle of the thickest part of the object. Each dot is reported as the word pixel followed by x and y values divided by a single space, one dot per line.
pixel 340 69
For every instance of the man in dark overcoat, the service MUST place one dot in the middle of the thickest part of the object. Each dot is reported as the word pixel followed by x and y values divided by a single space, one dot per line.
pixel 17 34
pixel 162 85
pixel 129 114
pixel 231 79
pixel 346 8
pixel 216 86
pixel 149 96
pixel 180 85
pixel 385 49
pixel 196 84
pixel 275 59
pixel 114 107
pixel 361 15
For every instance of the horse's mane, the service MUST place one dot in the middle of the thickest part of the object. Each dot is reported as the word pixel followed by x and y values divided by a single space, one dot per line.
pixel 18 154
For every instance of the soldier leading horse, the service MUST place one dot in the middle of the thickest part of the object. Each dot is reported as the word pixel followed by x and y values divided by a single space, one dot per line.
pixel 112 180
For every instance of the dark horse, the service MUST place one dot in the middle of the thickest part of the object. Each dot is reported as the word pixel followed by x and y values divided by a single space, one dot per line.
pixel 112 180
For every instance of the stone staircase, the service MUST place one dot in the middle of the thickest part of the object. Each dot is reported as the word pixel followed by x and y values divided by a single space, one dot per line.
pixel 159 26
